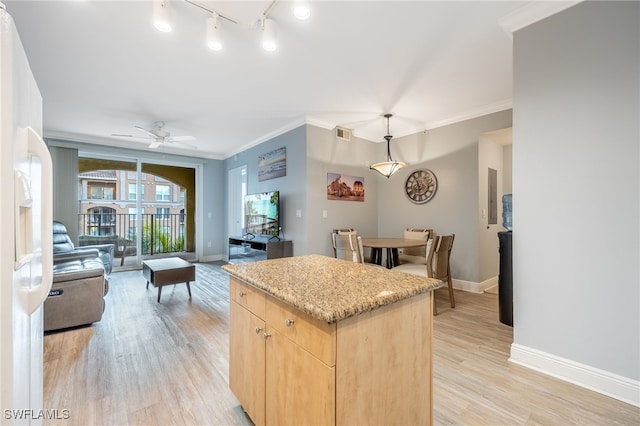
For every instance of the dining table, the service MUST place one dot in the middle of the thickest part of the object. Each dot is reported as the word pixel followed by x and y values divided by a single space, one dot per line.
pixel 377 244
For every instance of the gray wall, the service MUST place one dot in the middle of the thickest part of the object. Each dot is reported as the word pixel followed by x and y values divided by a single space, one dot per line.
pixel 213 195
pixel 451 153
pixel 292 187
pixel 327 154
pixel 507 156
pixel 576 186
pixel 65 188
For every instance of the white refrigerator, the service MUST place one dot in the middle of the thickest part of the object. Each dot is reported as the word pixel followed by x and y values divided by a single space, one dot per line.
pixel 25 242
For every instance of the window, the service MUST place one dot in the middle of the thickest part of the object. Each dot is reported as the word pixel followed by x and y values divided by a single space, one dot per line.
pixel 162 213
pixel 163 193
pixel 133 191
pixel 101 193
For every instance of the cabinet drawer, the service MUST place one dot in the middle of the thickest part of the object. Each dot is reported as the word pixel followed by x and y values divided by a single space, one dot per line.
pixel 317 337
pixel 247 296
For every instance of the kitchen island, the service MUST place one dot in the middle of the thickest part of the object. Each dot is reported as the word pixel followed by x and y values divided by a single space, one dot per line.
pixel 320 341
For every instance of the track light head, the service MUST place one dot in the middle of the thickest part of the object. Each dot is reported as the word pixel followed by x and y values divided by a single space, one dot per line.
pixel 268 34
pixel 213 33
pixel 301 10
pixel 162 15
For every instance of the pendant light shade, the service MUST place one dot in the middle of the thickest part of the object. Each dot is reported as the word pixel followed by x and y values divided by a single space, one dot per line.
pixel 389 167
pixel 269 35
pixel 162 16
pixel 213 33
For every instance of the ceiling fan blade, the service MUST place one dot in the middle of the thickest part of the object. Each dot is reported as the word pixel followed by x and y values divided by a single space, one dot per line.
pixel 148 132
pixel 154 145
pixel 121 136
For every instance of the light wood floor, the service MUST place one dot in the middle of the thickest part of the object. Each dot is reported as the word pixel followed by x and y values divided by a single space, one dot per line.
pixel 147 363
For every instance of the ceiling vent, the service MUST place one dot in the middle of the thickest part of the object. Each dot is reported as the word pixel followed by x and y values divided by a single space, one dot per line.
pixel 342 133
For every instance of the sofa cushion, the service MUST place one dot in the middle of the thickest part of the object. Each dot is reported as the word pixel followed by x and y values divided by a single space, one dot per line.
pixel 77 269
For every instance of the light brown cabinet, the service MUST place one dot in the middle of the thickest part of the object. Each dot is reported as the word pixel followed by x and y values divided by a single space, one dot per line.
pixel 288 368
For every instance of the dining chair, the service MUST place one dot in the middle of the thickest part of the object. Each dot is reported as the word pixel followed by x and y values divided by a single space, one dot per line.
pixel 348 247
pixel 415 254
pixel 343 231
pixel 346 231
pixel 443 244
pixel 436 264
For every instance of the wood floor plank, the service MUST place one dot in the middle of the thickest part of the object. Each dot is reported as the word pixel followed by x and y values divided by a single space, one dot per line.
pixel 166 363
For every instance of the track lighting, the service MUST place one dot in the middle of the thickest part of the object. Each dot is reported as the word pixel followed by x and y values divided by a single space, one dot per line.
pixel 162 21
pixel 213 33
pixel 301 10
pixel 268 34
pixel 162 15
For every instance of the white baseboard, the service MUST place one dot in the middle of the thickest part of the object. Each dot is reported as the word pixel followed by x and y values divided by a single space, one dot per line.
pixel 213 258
pixel 604 382
pixel 474 287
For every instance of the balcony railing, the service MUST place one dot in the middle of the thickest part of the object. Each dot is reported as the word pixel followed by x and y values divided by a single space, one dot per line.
pixel 159 233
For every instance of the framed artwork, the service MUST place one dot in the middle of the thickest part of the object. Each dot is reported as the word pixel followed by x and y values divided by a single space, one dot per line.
pixel 345 187
pixel 273 164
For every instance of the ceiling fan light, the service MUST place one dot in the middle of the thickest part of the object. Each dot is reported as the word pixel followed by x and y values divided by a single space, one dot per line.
pixel 162 16
pixel 269 35
pixel 301 10
pixel 213 33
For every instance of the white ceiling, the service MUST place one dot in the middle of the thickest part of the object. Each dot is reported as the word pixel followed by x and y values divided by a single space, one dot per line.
pixel 103 68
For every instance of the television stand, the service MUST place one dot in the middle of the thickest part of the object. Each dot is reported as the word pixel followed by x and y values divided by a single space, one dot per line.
pixel 260 247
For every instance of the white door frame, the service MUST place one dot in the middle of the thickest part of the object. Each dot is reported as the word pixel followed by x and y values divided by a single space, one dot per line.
pixel 236 190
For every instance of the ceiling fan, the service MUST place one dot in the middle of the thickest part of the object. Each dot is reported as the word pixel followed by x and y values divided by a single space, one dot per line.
pixel 161 136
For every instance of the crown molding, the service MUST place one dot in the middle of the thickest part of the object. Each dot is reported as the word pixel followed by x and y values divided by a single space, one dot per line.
pixel 532 13
pixel 282 130
pixel 58 138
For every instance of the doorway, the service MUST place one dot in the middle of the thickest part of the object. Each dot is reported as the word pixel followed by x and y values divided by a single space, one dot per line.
pixel 237 189
pixel 146 210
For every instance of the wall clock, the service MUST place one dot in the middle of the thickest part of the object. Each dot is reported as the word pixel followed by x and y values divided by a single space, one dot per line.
pixel 421 186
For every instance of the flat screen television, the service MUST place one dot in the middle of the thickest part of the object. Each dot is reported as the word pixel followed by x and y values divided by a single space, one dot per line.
pixel 262 214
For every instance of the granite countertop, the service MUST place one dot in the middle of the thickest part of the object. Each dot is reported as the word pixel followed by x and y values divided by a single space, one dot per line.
pixel 330 289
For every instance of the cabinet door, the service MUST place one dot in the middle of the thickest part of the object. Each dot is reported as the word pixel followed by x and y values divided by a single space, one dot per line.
pixel 300 388
pixel 247 361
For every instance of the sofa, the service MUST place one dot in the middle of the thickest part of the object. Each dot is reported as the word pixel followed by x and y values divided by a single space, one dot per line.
pixel 62 244
pixel 79 282
pixel 77 293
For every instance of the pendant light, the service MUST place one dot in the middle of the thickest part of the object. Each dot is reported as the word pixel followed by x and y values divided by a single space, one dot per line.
pixel 389 167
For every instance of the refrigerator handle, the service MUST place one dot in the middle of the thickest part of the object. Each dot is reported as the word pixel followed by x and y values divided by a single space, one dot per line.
pixel 34 297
